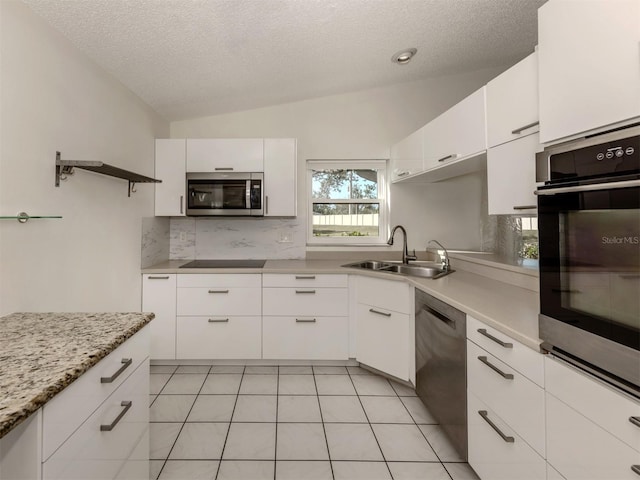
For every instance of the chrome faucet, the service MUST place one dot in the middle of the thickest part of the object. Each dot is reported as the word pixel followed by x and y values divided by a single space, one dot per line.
pixel 446 266
pixel 405 252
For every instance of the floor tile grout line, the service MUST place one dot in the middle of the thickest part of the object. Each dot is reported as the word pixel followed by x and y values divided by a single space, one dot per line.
pixel 164 462
pixel 326 439
pixel 233 411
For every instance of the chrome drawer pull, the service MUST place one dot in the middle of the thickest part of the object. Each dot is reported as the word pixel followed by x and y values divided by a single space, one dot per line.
pixel 218 291
pixel 635 421
pixel 484 360
pixel 218 320
pixel 306 291
pixel 223 169
pixel 525 207
pixel 453 155
pixel 521 129
pixel 485 416
pixel 378 312
pixel 127 405
pixel 636 469
pixel 125 363
pixel 483 331
pixel 305 277
pixel 402 174
pixel 181 204
pixel 305 320
pixel 159 278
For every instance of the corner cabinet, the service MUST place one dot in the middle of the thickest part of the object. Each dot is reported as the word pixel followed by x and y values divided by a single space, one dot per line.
pixel 280 161
pixel 588 61
pixel 406 157
pixel 171 169
pixel 225 155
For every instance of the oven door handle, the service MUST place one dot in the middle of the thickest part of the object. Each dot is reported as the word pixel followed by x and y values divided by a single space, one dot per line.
pixel 590 188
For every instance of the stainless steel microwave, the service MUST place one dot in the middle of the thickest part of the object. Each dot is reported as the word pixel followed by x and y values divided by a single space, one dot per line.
pixel 225 194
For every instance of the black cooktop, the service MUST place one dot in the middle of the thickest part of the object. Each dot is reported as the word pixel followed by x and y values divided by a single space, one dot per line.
pixel 225 264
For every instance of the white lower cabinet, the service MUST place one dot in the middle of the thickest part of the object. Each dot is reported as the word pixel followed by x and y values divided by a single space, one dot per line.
pixel 159 297
pixel 20 457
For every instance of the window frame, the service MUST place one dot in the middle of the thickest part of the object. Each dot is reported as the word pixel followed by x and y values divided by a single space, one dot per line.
pixel 381 165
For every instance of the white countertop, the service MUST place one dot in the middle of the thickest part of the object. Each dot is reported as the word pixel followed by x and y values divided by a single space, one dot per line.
pixel 510 309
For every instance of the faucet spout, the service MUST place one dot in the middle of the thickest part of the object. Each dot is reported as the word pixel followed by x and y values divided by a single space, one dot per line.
pixel 446 265
pixel 405 251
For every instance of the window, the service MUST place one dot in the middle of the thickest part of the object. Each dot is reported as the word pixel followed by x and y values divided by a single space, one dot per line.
pixel 347 202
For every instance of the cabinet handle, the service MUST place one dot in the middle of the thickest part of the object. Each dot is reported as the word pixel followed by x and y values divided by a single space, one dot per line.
pixel 181 204
pixel 266 204
pixel 635 469
pixel 521 129
pixel 165 277
pixel 485 416
pixel 218 291
pixel 125 364
pixel 525 207
pixel 453 155
pixel 378 312
pixel 402 174
pixel 305 320
pixel 635 421
pixel 218 320
pixel 306 291
pixel 127 405
pixel 484 360
pixel 305 277
pixel 483 331
pixel 223 169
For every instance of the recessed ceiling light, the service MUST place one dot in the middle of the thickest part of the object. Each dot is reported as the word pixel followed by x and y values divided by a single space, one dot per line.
pixel 404 56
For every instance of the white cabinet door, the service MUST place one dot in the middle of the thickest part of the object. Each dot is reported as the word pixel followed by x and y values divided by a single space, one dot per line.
pixel 225 155
pixel 218 337
pixel 406 156
pixel 511 176
pixel 580 450
pixel 171 169
pixel 512 102
pixel 588 65
pixel 458 133
pixel 159 297
pixel 280 161
pixel 383 340
pixel 20 454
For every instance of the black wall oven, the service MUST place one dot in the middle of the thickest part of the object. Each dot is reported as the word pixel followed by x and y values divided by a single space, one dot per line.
pixel 589 235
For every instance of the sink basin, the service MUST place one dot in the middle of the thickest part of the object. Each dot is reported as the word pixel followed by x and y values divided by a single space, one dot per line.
pixel 414 269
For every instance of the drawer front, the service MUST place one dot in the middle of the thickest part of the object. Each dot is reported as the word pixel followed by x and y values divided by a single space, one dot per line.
pixel 218 337
pixel 516 399
pixel 63 414
pixel 523 359
pixel 304 280
pixel 305 338
pixel 599 403
pixel 91 453
pixel 387 294
pixel 579 449
pixel 494 458
pixel 219 301
pixel 220 280
pixel 325 302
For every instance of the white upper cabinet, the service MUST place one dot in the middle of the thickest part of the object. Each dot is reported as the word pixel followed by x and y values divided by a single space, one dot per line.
pixel 406 156
pixel 280 161
pixel 171 169
pixel 225 155
pixel 512 102
pixel 458 133
pixel 588 55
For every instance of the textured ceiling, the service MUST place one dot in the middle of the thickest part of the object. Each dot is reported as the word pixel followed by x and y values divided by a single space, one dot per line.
pixel 192 58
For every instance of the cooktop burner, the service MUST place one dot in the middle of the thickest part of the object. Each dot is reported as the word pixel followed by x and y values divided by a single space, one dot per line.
pixel 225 264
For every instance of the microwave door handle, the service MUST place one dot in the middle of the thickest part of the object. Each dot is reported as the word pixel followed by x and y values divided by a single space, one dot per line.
pixel 247 193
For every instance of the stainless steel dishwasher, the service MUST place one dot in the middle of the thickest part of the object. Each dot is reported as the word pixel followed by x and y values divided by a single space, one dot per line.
pixel 441 380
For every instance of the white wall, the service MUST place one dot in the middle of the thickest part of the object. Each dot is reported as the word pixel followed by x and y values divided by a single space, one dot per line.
pixel 54 98
pixel 363 125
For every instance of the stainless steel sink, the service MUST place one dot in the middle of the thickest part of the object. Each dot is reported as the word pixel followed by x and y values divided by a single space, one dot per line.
pixel 415 269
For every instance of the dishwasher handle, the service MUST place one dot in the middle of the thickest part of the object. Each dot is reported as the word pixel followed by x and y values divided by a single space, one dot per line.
pixel 448 321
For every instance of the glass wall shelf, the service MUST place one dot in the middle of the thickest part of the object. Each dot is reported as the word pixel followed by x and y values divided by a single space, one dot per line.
pixel 23 217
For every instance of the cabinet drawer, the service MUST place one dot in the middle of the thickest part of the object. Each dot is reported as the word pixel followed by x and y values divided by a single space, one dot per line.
pixel 494 458
pixel 220 280
pixel 219 301
pixel 581 450
pixel 517 400
pixel 599 403
pixel 306 338
pixel 325 302
pixel 218 337
pixel 63 414
pixel 304 280
pixel 91 453
pixel 386 294
pixel 516 355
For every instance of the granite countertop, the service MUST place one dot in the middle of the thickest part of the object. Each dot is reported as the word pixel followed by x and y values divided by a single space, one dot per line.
pixel 42 353
pixel 510 309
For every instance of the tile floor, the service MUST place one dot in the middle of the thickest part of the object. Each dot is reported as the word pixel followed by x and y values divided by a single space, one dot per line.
pixel 292 422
